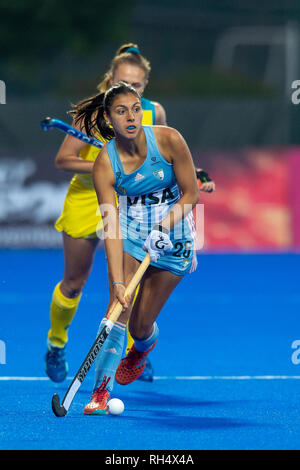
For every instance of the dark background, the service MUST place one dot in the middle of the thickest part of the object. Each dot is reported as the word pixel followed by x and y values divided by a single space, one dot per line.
pixel 222 69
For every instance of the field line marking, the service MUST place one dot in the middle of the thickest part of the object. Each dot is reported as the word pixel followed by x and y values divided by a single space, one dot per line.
pixel 191 377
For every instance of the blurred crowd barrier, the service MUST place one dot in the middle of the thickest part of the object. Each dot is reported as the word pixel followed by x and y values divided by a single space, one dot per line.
pixel 254 206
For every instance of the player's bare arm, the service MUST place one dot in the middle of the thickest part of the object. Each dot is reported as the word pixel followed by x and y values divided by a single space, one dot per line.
pixel 68 155
pixel 160 115
pixel 174 148
pixel 103 178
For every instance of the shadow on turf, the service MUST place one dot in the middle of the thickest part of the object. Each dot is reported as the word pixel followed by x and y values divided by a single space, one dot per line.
pixel 160 409
pixel 169 419
pixel 191 422
pixel 168 400
pixel 156 399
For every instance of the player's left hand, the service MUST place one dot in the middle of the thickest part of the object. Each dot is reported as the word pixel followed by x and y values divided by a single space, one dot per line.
pixel 157 243
pixel 208 187
pixel 206 183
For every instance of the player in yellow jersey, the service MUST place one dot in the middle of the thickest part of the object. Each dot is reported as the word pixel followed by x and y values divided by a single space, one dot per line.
pixel 80 219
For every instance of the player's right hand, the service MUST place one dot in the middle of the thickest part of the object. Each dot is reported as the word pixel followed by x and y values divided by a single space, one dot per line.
pixel 119 291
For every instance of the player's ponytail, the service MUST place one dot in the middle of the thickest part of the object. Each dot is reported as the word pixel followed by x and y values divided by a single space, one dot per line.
pixel 133 48
pixel 88 115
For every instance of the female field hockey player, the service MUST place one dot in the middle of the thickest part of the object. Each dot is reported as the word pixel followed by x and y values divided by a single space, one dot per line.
pixel 80 217
pixel 152 171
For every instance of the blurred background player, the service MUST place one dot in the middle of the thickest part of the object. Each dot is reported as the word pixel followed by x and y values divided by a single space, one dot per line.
pixel 80 218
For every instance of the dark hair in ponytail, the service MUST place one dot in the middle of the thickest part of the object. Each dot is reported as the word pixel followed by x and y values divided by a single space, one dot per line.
pixel 89 113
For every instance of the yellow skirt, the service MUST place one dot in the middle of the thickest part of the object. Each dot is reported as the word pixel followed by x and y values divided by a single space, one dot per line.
pixel 80 217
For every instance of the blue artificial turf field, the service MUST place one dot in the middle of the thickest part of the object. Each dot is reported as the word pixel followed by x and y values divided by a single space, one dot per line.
pixel 224 374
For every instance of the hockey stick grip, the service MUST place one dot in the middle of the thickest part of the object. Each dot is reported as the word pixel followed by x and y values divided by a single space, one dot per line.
pixel 130 289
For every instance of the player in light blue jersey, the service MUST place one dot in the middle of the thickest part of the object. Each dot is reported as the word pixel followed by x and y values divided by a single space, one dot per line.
pixel 80 215
pixel 152 171
pixel 145 197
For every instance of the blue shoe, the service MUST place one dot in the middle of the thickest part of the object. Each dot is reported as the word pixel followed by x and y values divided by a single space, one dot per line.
pixel 147 374
pixel 56 365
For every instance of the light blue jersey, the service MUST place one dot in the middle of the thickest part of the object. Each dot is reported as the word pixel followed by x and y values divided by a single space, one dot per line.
pixel 146 196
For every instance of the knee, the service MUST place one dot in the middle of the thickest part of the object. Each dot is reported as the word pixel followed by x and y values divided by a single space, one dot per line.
pixel 140 329
pixel 143 344
pixel 72 287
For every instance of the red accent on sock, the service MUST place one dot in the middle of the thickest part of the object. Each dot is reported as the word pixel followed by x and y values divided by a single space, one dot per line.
pixel 104 383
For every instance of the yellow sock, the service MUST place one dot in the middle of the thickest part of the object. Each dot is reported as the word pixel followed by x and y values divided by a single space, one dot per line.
pixel 130 340
pixel 62 311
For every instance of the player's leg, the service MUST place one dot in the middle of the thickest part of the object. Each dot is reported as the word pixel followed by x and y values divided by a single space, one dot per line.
pixel 148 372
pixel 158 286
pixel 110 355
pixel 79 255
pixel 130 340
pixel 155 288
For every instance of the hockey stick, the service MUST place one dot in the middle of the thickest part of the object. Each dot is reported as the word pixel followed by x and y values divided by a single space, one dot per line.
pixel 61 410
pixel 48 124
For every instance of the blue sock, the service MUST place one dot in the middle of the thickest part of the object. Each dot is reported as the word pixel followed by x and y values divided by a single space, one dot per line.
pixel 143 345
pixel 109 356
